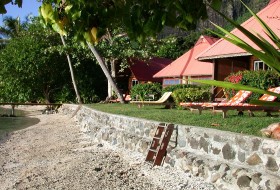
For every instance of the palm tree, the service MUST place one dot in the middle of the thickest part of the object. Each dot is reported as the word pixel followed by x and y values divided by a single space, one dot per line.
pixel 11 27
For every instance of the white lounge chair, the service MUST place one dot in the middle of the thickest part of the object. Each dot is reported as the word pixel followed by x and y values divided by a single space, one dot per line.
pixel 162 101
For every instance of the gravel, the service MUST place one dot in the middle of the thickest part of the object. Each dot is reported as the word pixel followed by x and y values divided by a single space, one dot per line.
pixel 54 154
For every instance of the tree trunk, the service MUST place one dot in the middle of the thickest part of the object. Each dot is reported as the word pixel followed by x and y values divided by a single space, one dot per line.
pixel 113 74
pixel 72 73
pixel 110 89
pixel 106 72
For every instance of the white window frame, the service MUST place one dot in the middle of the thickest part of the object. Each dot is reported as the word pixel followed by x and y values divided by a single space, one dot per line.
pixel 260 65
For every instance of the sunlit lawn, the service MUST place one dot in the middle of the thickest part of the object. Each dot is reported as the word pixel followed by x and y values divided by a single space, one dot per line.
pixel 240 124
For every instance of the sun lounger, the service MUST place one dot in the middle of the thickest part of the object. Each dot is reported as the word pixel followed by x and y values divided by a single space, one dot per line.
pixel 162 101
pixel 240 97
pixel 224 107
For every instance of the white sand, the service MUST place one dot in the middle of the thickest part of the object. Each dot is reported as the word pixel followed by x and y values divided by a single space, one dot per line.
pixel 54 154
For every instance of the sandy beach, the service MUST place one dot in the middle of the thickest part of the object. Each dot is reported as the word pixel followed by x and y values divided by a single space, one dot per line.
pixel 54 154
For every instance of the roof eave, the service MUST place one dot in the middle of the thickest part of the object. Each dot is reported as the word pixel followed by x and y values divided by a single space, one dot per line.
pixel 178 76
pixel 223 56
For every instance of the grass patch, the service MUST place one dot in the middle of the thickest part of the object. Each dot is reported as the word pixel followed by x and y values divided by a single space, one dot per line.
pixel 234 123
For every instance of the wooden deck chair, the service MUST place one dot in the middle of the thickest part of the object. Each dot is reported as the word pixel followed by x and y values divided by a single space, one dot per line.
pixel 224 107
pixel 162 101
pixel 240 97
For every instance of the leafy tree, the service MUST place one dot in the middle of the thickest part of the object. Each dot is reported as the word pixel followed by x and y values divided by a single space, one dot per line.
pixel 88 74
pixel 27 71
pixel 173 47
pixel 71 72
pixel 115 49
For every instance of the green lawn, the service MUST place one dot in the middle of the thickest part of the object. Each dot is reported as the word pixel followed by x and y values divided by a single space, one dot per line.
pixel 240 124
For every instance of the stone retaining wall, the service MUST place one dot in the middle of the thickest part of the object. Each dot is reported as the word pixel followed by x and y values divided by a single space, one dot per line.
pixel 229 160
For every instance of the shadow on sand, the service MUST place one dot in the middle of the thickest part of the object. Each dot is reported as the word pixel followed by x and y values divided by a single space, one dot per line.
pixel 10 124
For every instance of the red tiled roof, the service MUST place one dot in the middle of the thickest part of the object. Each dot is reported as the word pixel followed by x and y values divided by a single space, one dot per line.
pixel 187 65
pixel 144 71
pixel 222 48
pixel 272 1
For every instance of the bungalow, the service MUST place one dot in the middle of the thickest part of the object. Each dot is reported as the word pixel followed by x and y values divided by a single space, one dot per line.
pixel 143 71
pixel 186 66
pixel 228 58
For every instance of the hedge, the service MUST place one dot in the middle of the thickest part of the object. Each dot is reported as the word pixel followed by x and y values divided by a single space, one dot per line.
pixel 259 79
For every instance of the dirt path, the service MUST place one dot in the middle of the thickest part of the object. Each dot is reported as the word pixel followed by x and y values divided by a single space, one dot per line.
pixel 54 154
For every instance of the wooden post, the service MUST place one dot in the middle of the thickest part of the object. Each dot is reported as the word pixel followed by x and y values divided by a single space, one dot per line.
pixel 13 110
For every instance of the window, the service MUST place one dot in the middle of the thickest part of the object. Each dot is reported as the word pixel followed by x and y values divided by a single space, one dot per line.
pixel 134 82
pixel 168 82
pixel 260 65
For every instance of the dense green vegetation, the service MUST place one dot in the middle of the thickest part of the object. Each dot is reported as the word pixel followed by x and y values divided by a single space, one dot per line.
pixel 192 94
pixel 259 79
pixel 240 124
pixel 141 91
pixel 40 71
pixel 34 68
pixel 26 73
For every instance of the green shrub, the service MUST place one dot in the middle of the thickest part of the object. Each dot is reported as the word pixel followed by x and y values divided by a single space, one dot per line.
pixel 140 91
pixel 259 79
pixel 193 94
pixel 64 95
pixel 172 88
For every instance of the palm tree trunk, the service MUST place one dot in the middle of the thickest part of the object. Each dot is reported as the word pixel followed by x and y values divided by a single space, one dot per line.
pixel 113 74
pixel 72 72
pixel 106 71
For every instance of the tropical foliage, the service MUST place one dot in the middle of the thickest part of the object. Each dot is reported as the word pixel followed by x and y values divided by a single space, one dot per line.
pixel 34 68
pixel 172 88
pixel 26 72
pixel 192 94
pixel 173 47
pixel 90 20
pixel 259 79
pixel 142 91
pixel 12 26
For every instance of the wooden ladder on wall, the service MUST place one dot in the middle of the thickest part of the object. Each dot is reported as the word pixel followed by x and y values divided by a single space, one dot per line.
pixel 159 143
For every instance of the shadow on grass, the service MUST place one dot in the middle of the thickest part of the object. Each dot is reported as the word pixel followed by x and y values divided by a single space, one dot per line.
pixel 10 124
